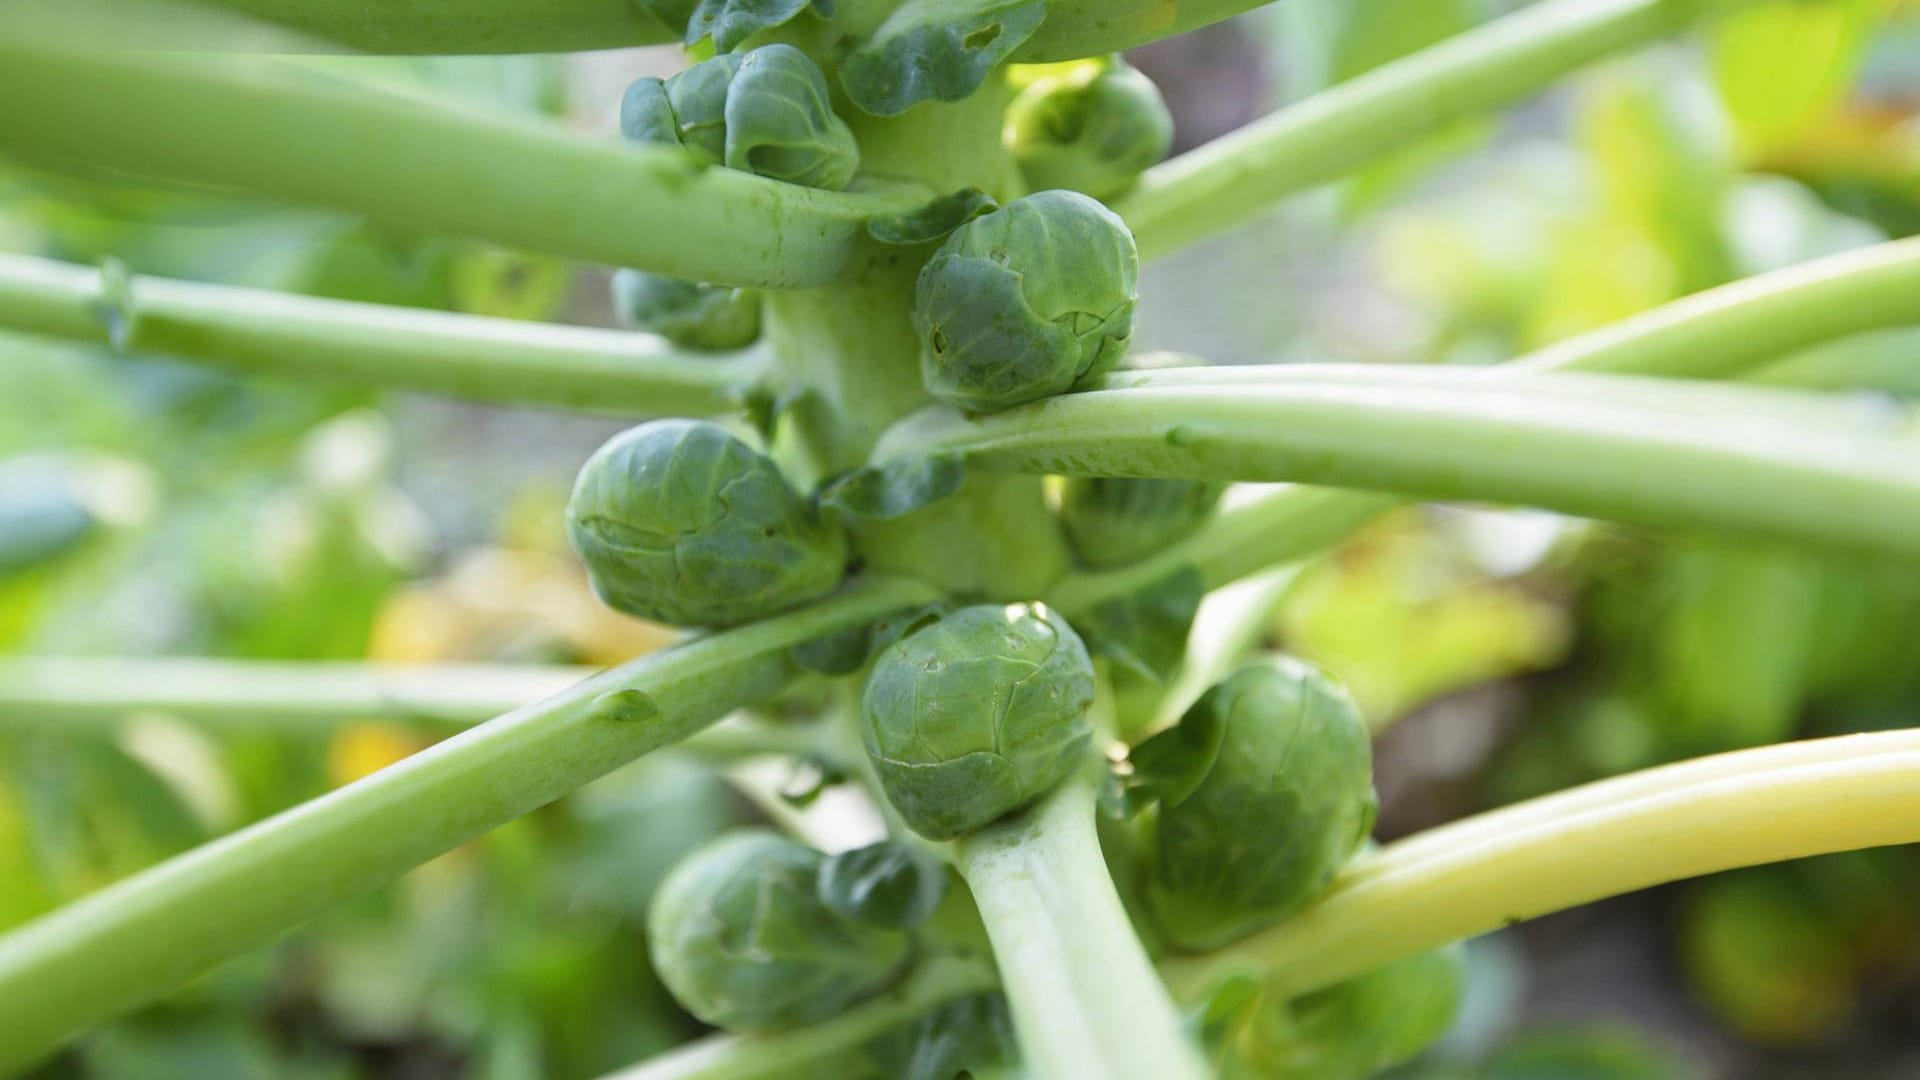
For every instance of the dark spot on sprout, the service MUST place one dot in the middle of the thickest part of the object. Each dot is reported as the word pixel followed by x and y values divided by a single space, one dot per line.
pixel 939 341
pixel 982 37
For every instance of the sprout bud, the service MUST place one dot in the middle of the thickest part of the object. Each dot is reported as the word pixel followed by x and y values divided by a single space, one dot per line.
pixel 1112 521
pixel 739 935
pixel 1093 130
pixel 977 715
pixel 1264 790
pixel 765 112
pixel 1026 301
pixel 687 313
pixel 679 521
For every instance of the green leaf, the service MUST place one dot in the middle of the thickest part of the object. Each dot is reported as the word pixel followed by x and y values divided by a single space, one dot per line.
pixel 936 50
pixel 730 22
pixel 1146 631
pixel 41 514
pixel 674 14
pixel 889 885
pixel 969 1037
pixel 934 220
pixel 886 492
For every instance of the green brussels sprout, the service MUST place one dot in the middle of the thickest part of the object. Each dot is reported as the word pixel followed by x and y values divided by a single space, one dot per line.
pixel 1114 521
pixel 1093 130
pixel 1261 792
pixel 687 313
pixel 765 112
pixel 978 714
pixel 681 522
pixel 740 937
pixel 1353 1030
pixel 1022 303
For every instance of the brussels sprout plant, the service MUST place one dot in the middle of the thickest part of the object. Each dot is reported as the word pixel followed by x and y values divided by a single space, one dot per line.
pixel 891 468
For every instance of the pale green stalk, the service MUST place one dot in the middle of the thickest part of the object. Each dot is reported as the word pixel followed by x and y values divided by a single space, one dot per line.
pixel 1077 28
pixel 1650 452
pixel 1740 809
pixel 451 27
pixel 752 1057
pixel 148 934
pixel 68 694
pixel 266 126
pixel 1086 1001
pixel 1375 115
pixel 465 356
pixel 1726 331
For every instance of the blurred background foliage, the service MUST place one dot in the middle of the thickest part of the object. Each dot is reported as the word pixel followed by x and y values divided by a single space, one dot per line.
pixel 151 508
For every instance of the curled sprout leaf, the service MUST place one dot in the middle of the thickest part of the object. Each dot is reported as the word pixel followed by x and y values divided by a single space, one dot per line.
pixel 1260 793
pixel 766 112
pixel 680 521
pixel 730 22
pixel 936 50
pixel 1093 129
pixel 896 489
pixel 977 715
pixel 968 1037
pixel 689 314
pixel 1026 301
pixel 1146 631
pixel 740 937
pixel 780 122
pixel 889 885
pixel 934 220
pixel 1114 521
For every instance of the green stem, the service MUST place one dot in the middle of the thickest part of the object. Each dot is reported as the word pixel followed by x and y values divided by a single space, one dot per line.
pixel 752 1057
pixel 63 694
pixel 146 935
pixel 453 27
pixel 1086 1000
pixel 466 356
pixel 1662 453
pixel 1726 331
pixel 1377 114
pixel 1077 28
pixel 274 128
pixel 1741 809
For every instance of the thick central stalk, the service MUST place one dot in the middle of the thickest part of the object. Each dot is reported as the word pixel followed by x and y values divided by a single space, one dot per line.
pixel 1086 1000
pixel 850 361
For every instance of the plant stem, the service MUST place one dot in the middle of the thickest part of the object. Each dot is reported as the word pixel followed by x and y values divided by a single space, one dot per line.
pixel 270 127
pixel 466 356
pixel 63 694
pixel 1734 810
pixel 1725 331
pixel 141 937
pixel 1077 28
pixel 1086 1000
pixel 452 27
pixel 750 1057
pixel 1381 112
pixel 1650 452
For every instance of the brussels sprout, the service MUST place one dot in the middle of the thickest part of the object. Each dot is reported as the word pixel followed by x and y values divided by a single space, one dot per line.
pixel 687 313
pixel 1114 521
pixel 739 935
pixel 1093 130
pixel 1022 303
pixel 1263 790
pixel 969 1038
pixel 765 112
pixel 679 521
pixel 1353 1030
pixel 978 714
